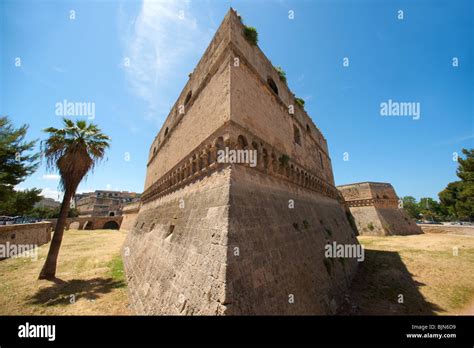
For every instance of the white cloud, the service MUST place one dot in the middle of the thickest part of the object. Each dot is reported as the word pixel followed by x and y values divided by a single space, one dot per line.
pixel 51 177
pixel 158 43
pixel 51 193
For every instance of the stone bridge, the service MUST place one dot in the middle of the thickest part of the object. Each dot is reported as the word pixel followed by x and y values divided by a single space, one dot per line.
pixel 91 223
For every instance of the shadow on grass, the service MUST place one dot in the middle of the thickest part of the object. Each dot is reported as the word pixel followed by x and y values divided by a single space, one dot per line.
pixel 60 292
pixel 381 283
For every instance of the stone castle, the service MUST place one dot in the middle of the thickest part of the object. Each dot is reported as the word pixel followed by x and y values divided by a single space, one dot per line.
pixel 215 237
pixel 376 209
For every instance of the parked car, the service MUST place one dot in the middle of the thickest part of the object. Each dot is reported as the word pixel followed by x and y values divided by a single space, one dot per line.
pixel 431 223
pixel 7 220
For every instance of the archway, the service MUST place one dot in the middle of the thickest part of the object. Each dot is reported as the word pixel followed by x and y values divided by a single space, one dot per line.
pixel 111 225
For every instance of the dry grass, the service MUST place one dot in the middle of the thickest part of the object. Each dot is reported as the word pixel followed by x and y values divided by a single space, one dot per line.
pixel 91 268
pixel 422 268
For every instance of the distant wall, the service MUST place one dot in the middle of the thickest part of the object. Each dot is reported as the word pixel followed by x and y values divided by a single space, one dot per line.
pixel 130 213
pixel 377 221
pixel 90 222
pixel 25 234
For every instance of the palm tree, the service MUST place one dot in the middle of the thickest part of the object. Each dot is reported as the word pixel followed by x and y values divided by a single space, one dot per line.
pixel 74 150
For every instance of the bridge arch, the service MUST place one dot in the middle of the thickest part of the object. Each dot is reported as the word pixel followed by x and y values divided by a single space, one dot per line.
pixel 111 225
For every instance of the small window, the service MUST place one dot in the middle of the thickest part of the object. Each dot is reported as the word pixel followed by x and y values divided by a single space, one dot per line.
pixel 166 131
pixel 297 135
pixel 154 150
pixel 272 85
pixel 321 159
pixel 308 129
pixel 188 98
pixel 152 227
pixel 242 142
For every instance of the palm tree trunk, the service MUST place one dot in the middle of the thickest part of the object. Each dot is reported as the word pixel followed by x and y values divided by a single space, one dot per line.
pixel 49 267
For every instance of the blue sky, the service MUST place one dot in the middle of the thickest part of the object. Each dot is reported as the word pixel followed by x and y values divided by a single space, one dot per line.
pixel 85 59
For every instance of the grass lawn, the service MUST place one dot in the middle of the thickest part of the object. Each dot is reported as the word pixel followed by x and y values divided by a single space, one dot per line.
pixel 422 268
pixel 90 267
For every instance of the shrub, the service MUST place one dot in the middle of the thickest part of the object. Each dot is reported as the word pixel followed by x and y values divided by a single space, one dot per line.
pixel 370 226
pixel 284 160
pixel 281 73
pixel 300 102
pixel 251 34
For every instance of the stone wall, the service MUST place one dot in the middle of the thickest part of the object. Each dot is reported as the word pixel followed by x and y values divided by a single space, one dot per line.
pixel 175 255
pixel 376 211
pixel 255 106
pixel 25 234
pixel 281 249
pixel 207 109
pixel 229 244
pixel 198 212
pixel 90 222
pixel 206 101
pixel 129 213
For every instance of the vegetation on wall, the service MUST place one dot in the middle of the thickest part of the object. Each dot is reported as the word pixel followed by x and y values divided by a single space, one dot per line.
pixel 251 34
pixel 281 73
pixel 284 160
pixel 300 101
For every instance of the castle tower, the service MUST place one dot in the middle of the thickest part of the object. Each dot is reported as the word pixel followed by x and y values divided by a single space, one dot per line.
pixel 214 237
pixel 376 211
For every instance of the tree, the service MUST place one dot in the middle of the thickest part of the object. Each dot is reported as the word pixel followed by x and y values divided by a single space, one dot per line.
pixel 51 213
pixel 16 160
pixel 430 209
pixel 20 202
pixel 74 150
pixel 450 195
pixel 411 207
pixel 458 196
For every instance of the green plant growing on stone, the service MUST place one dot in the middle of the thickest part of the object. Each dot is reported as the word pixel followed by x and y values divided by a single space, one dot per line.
pixel 284 160
pixel 328 266
pixel 251 34
pixel 328 231
pixel 343 262
pixel 305 224
pixel 370 226
pixel 300 101
pixel 281 73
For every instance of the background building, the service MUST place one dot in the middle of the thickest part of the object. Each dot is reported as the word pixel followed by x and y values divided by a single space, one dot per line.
pixel 104 203
pixel 47 203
